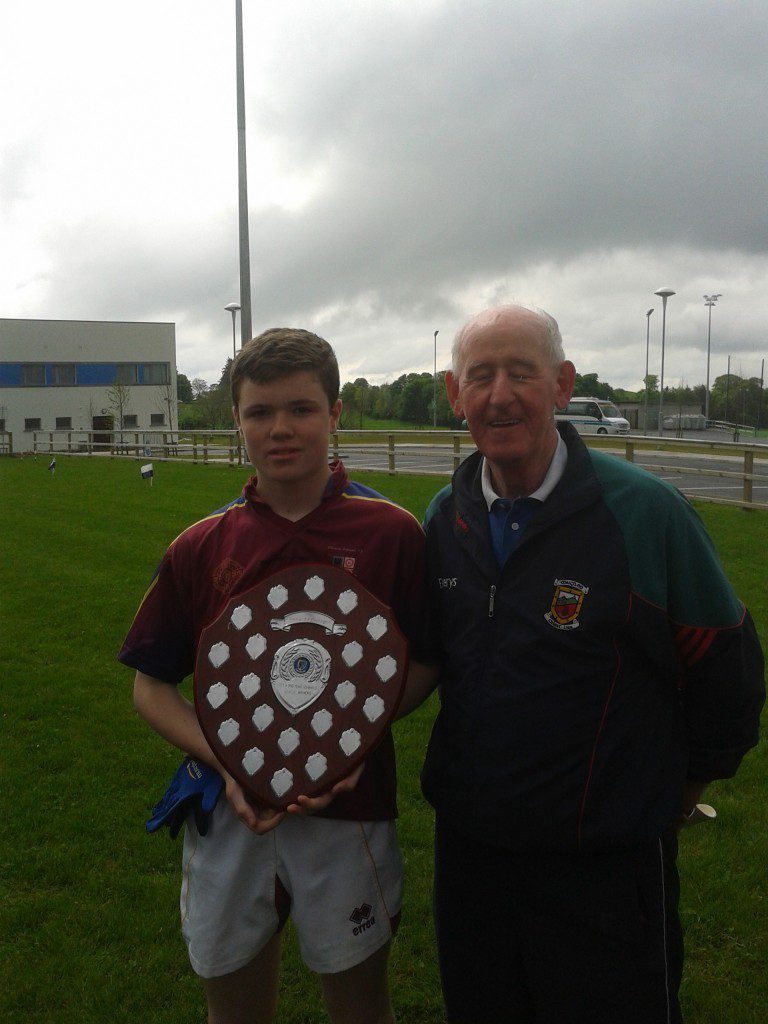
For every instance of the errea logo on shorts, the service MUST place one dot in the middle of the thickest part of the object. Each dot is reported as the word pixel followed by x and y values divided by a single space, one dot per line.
pixel 363 919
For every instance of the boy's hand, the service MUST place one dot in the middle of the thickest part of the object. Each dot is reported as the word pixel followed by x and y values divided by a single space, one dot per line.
pixel 308 805
pixel 259 819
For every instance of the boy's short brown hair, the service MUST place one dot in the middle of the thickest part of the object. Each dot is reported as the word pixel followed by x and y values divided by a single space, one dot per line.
pixel 281 351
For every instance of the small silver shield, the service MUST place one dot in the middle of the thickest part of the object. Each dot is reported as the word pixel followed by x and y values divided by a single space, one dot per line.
pixel 300 670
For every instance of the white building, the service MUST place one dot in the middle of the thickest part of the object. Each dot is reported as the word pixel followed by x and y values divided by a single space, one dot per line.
pixel 75 375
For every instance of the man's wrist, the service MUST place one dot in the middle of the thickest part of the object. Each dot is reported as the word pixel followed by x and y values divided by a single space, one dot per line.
pixel 693 790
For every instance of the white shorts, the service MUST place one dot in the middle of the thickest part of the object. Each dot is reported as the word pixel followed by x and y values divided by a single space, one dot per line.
pixel 341 881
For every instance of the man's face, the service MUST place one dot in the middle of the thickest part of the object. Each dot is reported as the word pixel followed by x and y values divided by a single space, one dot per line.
pixel 507 390
pixel 285 425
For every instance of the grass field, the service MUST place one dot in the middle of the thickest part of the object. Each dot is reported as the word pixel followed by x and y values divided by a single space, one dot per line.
pixel 88 902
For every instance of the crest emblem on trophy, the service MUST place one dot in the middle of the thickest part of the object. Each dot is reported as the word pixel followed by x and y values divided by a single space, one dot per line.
pixel 297 680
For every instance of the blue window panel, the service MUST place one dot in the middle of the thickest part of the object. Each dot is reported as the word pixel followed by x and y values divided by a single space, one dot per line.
pixel 95 373
pixel 86 374
pixel 10 375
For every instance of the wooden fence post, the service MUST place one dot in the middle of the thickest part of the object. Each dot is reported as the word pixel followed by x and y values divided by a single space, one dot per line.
pixel 749 467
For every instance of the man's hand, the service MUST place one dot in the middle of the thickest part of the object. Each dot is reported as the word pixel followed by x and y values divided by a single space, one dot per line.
pixel 309 805
pixel 692 794
pixel 259 819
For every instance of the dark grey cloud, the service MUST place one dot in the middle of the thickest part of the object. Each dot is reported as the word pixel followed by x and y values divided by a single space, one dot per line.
pixel 462 152
pixel 488 137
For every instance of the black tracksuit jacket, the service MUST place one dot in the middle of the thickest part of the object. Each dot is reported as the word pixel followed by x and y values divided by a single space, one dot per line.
pixel 607 662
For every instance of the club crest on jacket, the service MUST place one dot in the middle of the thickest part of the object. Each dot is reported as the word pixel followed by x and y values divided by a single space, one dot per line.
pixel 566 604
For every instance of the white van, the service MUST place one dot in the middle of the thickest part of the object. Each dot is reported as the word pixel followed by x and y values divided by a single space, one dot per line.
pixel 594 416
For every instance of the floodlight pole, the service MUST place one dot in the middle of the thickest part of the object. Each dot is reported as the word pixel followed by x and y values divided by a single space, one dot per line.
pixel 709 300
pixel 647 348
pixel 242 179
pixel 232 307
pixel 434 386
pixel 664 294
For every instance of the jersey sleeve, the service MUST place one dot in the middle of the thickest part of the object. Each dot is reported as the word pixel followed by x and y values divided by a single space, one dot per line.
pixel 160 641
pixel 410 596
pixel 674 567
pixel 721 662
pixel 722 696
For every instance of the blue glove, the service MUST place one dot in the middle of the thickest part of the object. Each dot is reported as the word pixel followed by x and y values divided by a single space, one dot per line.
pixel 194 789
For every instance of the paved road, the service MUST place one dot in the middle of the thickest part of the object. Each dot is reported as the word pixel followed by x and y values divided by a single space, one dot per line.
pixel 676 467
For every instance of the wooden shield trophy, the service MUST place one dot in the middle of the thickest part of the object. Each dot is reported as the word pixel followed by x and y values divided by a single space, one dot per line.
pixel 297 680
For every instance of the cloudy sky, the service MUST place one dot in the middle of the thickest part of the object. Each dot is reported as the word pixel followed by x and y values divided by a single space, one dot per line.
pixel 408 164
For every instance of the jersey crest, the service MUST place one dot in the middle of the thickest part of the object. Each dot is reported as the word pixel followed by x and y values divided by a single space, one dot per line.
pixel 566 604
pixel 226 574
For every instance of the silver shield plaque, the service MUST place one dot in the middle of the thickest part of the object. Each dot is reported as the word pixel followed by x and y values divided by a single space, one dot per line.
pixel 299 673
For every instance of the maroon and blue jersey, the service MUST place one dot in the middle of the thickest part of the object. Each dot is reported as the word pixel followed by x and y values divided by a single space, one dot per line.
pixel 245 542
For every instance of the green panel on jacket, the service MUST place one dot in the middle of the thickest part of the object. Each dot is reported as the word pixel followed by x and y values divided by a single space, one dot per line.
pixel 672 560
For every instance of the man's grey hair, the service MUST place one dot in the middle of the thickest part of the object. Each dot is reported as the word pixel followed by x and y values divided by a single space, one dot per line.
pixel 489 317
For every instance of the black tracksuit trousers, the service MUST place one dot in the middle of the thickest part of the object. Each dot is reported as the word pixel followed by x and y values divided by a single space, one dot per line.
pixel 550 939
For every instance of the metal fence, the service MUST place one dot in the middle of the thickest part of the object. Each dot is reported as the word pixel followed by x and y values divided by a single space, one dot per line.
pixel 421 452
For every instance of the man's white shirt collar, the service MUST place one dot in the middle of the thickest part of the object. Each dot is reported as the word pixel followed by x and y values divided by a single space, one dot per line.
pixel 548 484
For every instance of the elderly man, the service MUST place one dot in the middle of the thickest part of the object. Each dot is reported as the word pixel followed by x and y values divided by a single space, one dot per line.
pixel 597 671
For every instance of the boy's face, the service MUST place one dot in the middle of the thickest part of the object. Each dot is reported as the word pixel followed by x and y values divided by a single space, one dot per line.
pixel 285 425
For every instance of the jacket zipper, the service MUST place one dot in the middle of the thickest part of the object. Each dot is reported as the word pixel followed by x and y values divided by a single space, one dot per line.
pixel 491 602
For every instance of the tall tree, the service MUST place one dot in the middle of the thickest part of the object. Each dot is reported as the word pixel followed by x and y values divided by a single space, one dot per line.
pixel 416 399
pixel 167 404
pixel 199 387
pixel 588 385
pixel 183 388
pixel 119 398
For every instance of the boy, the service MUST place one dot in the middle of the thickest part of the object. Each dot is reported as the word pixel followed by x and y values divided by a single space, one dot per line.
pixel 254 865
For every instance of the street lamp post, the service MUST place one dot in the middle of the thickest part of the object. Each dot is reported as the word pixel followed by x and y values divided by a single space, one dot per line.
pixel 647 347
pixel 242 182
pixel 434 386
pixel 760 397
pixel 709 300
pixel 232 307
pixel 664 294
